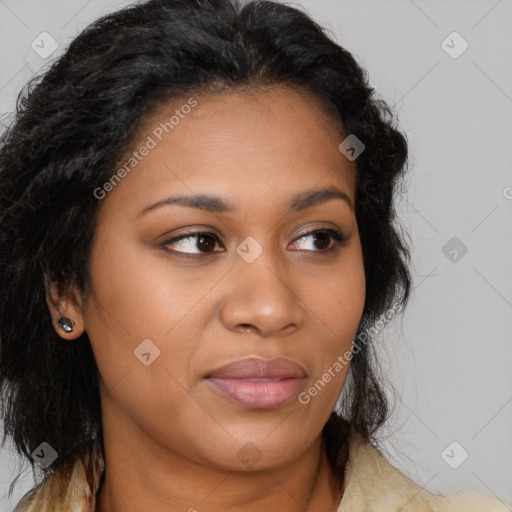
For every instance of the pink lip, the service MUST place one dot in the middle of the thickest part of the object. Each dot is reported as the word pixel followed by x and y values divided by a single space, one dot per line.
pixel 259 383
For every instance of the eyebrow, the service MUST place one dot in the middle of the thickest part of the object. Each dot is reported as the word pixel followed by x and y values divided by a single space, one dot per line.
pixel 215 204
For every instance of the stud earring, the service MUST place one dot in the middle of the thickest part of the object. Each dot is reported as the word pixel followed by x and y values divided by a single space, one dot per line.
pixel 65 323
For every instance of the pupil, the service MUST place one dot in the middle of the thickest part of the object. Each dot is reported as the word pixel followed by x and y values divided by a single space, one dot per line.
pixel 326 238
pixel 204 241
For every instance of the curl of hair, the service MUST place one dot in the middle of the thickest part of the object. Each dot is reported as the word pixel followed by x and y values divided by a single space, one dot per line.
pixel 73 124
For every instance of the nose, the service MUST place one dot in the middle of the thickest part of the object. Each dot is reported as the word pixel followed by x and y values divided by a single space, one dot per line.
pixel 262 298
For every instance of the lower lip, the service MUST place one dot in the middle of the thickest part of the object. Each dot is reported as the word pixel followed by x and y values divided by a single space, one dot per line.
pixel 258 395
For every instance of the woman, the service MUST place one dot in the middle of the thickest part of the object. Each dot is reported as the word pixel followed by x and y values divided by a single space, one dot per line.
pixel 164 191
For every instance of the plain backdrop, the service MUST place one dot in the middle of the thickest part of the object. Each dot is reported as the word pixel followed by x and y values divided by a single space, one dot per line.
pixel 444 66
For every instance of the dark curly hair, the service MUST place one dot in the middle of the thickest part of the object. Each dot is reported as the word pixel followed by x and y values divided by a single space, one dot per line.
pixel 74 122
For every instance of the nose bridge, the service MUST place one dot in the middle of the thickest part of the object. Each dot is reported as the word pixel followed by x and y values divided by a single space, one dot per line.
pixel 262 295
pixel 261 264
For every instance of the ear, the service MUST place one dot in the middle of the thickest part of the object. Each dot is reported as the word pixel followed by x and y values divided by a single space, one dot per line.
pixel 65 303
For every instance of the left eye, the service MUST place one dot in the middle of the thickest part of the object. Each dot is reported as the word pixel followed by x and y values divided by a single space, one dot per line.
pixel 324 235
pixel 205 241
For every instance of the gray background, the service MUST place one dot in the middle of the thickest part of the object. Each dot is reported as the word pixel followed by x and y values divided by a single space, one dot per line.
pixel 449 356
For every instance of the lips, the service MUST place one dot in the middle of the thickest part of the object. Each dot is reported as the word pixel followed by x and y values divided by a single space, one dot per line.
pixel 255 367
pixel 258 383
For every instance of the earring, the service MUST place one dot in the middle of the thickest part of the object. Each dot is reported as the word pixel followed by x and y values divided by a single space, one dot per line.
pixel 65 323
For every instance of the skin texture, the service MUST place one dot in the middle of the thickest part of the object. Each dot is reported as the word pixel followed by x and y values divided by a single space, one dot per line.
pixel 171 440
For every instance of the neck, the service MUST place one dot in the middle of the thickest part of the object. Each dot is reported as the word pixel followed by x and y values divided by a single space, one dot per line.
pixel 148 476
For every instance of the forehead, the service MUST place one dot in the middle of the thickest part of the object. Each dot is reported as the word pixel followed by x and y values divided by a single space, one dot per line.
pixel 259 147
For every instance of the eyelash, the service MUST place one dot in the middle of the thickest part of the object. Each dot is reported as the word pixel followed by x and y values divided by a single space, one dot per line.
pixel 338 237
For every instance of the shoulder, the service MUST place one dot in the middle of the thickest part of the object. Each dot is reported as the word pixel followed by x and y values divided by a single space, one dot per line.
pixel 373 484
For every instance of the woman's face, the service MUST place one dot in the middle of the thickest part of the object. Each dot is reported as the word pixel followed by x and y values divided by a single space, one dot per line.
pixel 164 316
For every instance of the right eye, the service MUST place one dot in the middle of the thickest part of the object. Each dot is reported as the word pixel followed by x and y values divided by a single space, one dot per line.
pixel 197 240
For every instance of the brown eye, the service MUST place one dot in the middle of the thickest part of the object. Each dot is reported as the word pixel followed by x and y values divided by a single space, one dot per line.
pixel 204 243
pixel 322 240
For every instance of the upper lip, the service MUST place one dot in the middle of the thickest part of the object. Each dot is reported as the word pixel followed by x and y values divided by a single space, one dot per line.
pixel 256 367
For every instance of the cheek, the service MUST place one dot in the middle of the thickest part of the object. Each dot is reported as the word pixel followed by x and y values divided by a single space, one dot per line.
pixel 132 316
pixel 338 301
pixel 337 306
pixel 135 292
pixel 144 375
